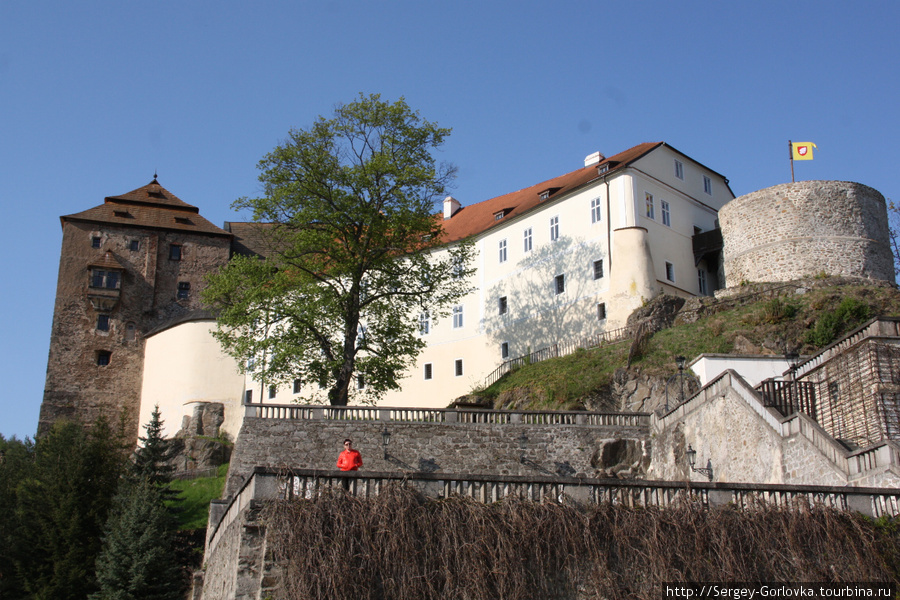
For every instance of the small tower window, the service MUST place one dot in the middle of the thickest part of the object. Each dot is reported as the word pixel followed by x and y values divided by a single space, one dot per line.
pixel 103 357
pixel 184 290
pixel 130 331
pixel 95 241
pixel 175 252
pixel 102 322
pixel 134 245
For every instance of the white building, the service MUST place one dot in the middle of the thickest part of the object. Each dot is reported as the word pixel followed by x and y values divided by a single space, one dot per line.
pixel 560 260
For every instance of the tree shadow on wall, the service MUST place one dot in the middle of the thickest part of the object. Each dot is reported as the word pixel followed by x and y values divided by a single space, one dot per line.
pixel 537 316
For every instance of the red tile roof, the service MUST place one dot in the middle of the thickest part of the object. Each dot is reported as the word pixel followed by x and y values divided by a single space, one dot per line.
pixel 477 218
pixel 149 206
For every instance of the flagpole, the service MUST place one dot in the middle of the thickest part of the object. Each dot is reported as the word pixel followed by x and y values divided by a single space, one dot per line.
pixel 791 155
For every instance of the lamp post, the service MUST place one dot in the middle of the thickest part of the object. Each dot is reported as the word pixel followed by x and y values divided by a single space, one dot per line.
pixel 385 440
pixel 680 362
pixel 793 360
pixel 692 459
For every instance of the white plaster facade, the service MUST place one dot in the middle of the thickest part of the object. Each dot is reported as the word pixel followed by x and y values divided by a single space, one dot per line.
pixel 753 368
pixel 184 365
pixel 603 217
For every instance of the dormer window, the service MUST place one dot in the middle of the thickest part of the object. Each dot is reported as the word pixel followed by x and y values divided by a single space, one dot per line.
pixel 183 221
pixel 122 214
pixel 545 194
pixel 499 215
pixel 602 168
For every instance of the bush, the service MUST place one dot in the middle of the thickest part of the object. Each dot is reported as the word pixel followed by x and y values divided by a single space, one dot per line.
pixel 849 314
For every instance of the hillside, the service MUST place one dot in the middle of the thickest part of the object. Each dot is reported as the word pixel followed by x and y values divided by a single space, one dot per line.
pixel 802 316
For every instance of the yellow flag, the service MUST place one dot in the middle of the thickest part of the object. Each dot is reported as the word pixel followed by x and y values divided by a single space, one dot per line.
pixel 803 150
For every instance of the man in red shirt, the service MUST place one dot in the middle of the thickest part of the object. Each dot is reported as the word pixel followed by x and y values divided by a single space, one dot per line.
pixel 350 459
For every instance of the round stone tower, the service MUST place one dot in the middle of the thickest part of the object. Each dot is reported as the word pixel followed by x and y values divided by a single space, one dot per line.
pixel 804 229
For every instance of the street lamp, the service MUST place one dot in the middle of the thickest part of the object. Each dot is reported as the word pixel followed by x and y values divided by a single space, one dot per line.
pixel 680 362
pixel 692 459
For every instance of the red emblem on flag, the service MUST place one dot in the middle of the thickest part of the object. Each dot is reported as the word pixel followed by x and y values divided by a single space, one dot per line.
pixel 802 150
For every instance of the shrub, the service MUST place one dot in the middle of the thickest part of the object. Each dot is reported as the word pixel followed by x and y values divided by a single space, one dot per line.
pixel 849 313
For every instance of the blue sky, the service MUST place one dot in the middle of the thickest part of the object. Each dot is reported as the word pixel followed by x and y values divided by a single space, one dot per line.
pixel 96 96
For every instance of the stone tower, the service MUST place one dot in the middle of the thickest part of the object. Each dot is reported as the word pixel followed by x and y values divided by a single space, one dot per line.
pixel 126 266
pixel 804 229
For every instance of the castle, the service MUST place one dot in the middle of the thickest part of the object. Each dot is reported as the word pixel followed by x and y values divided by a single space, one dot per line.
pixel 569 257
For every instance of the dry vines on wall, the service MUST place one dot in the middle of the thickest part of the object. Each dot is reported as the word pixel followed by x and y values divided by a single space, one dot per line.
pixel 401 545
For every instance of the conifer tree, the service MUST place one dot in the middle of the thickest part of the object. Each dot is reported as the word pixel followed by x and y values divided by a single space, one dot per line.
pixel 62 508
pixel 137 561
pixel 153 456
pixel 16 461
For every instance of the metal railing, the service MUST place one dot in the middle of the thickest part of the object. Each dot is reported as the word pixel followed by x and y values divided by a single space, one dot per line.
pixel 445 415
pixel 788 397
pixel 558 349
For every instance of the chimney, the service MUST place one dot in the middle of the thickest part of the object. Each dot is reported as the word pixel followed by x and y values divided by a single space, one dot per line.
pixel 593 159
pixel 451 205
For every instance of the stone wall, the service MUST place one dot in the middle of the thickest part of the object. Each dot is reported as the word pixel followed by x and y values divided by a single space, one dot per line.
pixel 804 229
pixel 727 424
pixel 460 448
pixel 79 389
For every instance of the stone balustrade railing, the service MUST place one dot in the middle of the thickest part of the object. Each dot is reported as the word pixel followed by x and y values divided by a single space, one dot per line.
pixel 272 484
pixel 444 415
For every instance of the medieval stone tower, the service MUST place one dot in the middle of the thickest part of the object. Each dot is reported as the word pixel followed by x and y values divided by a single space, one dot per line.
pixel 805 229
pixel 127 266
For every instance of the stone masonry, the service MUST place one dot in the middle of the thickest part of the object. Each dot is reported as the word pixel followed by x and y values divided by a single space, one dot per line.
pixel 458 448
pixel 805 229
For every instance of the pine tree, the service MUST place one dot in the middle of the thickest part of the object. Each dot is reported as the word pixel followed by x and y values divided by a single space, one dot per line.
pixel 151 459
pixel 62 508
pixel 137 561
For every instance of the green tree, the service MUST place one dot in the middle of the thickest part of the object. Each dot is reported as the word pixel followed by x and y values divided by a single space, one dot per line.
pixel 153 455
pixel 62 507
pixel 138 561
pixel 16 461
pixel 355 253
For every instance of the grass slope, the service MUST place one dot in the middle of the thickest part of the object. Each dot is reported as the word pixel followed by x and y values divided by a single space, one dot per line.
pixel 804 318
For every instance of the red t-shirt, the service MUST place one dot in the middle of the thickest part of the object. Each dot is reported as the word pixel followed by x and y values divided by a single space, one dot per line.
pixel 349 460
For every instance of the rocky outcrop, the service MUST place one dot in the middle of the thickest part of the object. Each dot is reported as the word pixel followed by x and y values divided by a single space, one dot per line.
pixel 199 446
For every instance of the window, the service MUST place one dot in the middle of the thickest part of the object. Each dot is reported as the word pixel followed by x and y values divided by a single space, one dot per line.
pixel 499 215
pixel 458 367
pixel 554 228
pixel 103 357
pixel 701 282
pixel 102 322
pixel 424 322
pixel 502 251
pixel 105 279
pixel 527 236
pixel 175 252
pixel 560 282
pixel 707 185
pixel 679 170
pixel 130 331
pixel 601 311
pixel 595 210
pixel 598 269
pixel 360 382
pixel 134 245
pixel 429 371
pixel 670 272
pixel 502 306
pixel 504 350
pixel 664 207
pixel 296 386
pixel 457 316
pixel 184 290
pixel 95 241
pixel 248 396
pixel 651 213
pixel 251 363
pixel 272 391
